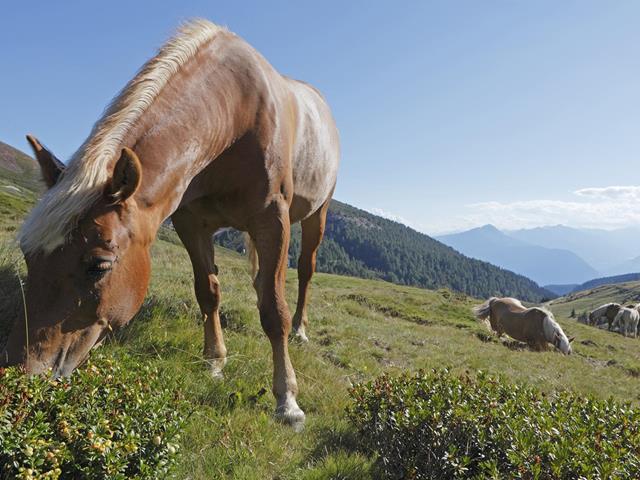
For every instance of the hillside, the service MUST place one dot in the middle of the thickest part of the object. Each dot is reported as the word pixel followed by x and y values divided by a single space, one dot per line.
pixel 18 168
pixel 590 298
pixel 541 264
pixel 361 244
pixel 358 329
pixel 19 185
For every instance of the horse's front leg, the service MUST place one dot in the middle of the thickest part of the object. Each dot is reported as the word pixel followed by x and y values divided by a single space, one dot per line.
pixel 198 240
pixel 270 233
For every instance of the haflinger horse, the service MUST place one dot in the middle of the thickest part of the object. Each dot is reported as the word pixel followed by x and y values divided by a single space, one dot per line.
pixel 209 134
pixel 534 326
pixel 626 321
pixel 608 312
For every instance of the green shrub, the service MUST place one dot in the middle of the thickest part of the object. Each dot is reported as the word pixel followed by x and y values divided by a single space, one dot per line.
pixel 108 420
pixel 439 425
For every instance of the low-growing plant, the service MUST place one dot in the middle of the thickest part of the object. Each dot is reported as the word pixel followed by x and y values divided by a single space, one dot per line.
pixel 115 420
pixel 440 425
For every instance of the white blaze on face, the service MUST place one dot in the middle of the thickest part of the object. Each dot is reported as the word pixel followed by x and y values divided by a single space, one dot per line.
pixel 556 336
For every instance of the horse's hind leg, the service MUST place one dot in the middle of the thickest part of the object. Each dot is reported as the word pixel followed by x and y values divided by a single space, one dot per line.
pixel 198 241
pixel 270 233
pixel 312 232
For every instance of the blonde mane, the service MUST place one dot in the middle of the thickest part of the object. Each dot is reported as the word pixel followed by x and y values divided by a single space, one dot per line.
pixel 83 181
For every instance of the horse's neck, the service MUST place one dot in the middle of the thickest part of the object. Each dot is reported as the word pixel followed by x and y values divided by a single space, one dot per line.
pixel 549 328
pixel 186 128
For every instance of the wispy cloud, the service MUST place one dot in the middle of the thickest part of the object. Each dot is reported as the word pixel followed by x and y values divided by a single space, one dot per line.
pixel 595 207
pixel 613 192
pixel 390 216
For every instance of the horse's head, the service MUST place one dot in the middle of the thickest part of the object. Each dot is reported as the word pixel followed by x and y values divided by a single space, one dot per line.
pixel 561 342
pixel 95 281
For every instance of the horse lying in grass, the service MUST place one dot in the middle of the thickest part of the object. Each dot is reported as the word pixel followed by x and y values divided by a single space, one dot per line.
pixel 535 326
pixel 626 321
pixel 209 134
pixel 606 312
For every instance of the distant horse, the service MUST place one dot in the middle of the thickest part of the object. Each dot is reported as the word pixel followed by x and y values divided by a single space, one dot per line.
pixel 608 311
pixel 627 321
pixel 534 326
pixel 209 134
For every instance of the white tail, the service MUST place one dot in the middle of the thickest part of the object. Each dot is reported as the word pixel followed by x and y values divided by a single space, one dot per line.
pixel 252 254
pixel 481 312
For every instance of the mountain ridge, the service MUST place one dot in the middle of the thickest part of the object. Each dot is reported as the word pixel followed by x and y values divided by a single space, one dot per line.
pixel 542 264
pixel 608 251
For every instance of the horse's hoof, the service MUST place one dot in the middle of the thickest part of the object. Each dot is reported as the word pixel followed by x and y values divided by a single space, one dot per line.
pixel 215 367
pixel 300 335
pixel 291 415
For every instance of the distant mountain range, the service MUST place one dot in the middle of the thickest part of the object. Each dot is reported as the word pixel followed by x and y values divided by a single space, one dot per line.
pixel 610 252
pixel 356 243
pixel 542 264
pixel 560 258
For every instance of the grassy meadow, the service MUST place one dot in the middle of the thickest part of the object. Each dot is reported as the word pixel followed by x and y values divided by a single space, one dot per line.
pixel 358 330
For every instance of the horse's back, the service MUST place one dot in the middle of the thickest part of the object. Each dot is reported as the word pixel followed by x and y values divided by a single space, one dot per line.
pixel 519 322
pixel 508 304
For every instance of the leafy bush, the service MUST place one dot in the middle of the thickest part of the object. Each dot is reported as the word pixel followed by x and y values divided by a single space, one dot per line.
pixel 439 425
pixel 106 421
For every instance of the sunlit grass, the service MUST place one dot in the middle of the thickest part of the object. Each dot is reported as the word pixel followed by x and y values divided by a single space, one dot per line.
pixel 358 329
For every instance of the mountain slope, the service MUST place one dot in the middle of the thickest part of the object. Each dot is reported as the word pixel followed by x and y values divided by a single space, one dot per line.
pixel 361 244
pixel 605 250
pixel 19 186
pixel 586 300
pixel 543 265
pixel 18 168
pixel 631 265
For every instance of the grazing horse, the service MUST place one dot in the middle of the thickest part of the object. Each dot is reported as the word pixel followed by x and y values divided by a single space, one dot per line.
pixel 209 134
pixel 534 326
pixel 608 311
pixel 627 321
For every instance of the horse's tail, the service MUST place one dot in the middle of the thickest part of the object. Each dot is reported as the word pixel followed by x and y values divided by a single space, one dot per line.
pixel 481 312
pixel 252 254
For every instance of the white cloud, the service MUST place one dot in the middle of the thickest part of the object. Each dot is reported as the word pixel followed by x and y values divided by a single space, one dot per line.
pixel 597 207
pixel 390 216
pixel 613 192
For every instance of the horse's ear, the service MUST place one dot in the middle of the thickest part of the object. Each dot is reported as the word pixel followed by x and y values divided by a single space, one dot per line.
pixel 571 339
pixel 50 166
pixel 126 178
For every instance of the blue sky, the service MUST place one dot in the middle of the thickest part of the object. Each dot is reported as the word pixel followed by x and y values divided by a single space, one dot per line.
pixel 452 113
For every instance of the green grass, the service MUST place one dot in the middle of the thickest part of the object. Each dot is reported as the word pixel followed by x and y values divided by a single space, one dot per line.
pixel 358 330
